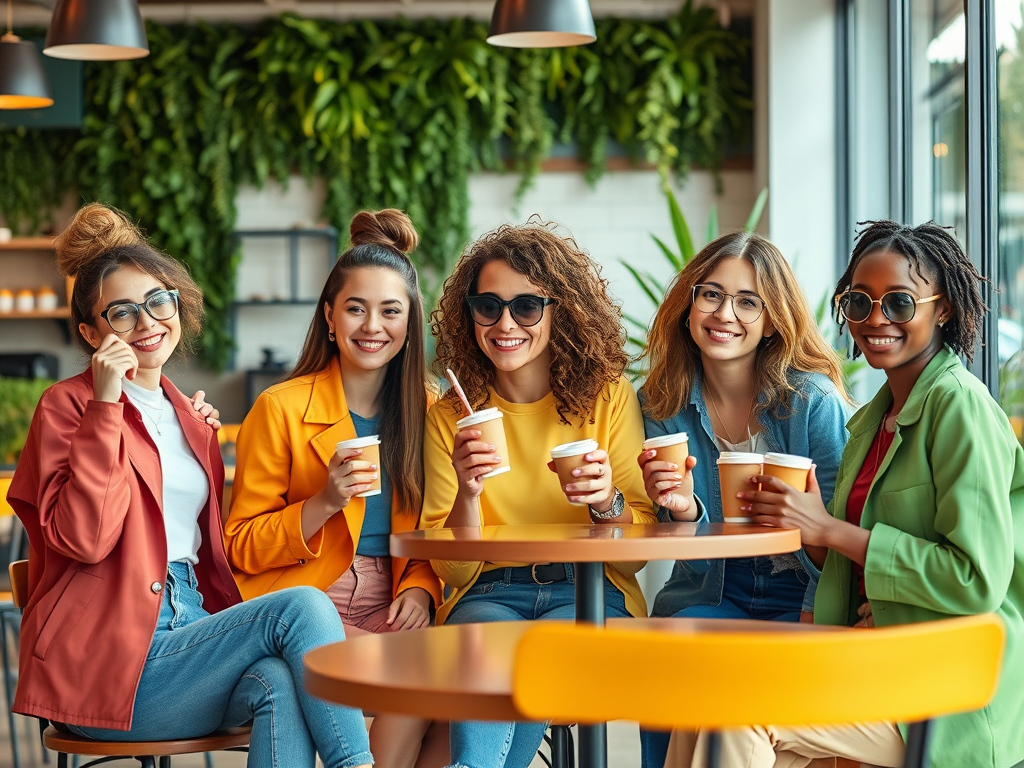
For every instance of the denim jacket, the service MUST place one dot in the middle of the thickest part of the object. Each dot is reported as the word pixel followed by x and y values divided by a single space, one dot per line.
pixel 816 427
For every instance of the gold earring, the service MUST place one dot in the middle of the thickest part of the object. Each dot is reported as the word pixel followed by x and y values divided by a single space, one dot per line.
pixel 330 333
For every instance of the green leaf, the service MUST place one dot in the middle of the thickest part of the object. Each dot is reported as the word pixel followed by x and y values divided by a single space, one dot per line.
pixel 757 210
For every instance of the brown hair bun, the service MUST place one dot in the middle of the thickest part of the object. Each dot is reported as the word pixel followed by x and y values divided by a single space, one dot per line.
pixel 95 230
pixel 389 227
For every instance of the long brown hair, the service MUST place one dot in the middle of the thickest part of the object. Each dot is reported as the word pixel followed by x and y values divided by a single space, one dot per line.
pixel 98 242
pixel 586 326
pixel 381 240
pixel 674 359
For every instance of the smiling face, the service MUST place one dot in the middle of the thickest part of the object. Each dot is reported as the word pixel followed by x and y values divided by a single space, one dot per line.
pixel 897 347
pixel 153 341
pixel 370 318
pixel 512 348
pixel 719 334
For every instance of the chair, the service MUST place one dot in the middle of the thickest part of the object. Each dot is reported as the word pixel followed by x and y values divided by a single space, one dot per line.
pixel 228 433
pixel 10 620
pixel 736 678
pixel 151 754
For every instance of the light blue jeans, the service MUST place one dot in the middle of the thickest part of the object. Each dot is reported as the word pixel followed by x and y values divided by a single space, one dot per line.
pixel 477 744
pixel 204 673
pixel 751 591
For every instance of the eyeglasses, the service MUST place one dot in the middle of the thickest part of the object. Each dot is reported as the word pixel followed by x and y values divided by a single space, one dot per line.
pixel 122 318
pixel 746 307
pixel 527 310
pixel 897 306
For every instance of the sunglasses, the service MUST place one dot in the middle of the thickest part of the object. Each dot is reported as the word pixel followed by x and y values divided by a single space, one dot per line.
pixel 526 310
pixel 897 306
pixel 122 318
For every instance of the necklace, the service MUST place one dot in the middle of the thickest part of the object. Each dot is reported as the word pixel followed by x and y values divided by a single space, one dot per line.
pixel 881 439
pixel 722 421
pixel 159 412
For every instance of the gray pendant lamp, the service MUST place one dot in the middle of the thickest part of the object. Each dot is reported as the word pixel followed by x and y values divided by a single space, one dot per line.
pixel 541 23
pixel 96 30
pixel 23 82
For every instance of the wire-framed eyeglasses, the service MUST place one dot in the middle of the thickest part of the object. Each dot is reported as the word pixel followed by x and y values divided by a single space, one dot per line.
pixel 123 318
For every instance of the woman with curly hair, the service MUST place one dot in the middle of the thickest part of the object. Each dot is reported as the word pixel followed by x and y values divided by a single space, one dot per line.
pixel 737 362
pixel 526 324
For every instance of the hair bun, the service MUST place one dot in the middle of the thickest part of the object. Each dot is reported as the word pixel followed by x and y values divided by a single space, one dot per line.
pixel 95 230
pixel 390 227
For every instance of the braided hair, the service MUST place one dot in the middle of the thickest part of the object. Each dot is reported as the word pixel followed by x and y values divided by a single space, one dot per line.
pixel 934 248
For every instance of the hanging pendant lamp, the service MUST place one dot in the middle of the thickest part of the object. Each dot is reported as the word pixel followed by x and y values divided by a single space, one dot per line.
pixel 23 83
pixel 541 23
pixel 96 30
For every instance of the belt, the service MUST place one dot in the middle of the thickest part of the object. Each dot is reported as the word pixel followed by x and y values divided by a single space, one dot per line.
pixel 539 573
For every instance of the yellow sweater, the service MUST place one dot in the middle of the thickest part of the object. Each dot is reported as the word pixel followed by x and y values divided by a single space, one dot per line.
pixel 530 493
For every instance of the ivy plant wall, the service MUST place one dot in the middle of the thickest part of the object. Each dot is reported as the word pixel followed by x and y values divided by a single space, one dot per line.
pixel 389 114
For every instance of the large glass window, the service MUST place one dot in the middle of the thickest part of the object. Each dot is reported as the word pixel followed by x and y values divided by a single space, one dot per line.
pixel 1010 43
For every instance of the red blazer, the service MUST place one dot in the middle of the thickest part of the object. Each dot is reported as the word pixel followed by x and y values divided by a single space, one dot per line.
pixel 88 489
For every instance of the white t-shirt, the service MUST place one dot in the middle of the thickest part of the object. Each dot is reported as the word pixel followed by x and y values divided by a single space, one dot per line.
pixel 185 488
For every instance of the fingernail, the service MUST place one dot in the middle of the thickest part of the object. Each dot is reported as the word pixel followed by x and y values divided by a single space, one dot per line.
pixel 373 466
pixel 744 507
pixel 679 477
pixel 575 473
pixel 589 457
pixel 673 466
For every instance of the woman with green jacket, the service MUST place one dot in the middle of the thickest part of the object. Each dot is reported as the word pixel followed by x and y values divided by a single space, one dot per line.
pixel 927 520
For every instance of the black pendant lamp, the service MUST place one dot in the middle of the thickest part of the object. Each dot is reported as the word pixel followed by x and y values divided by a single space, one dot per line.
pixel 541 23
pixel 96 30
pixel 23 83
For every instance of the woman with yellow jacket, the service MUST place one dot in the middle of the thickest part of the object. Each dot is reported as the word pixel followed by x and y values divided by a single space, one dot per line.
pixel 300 512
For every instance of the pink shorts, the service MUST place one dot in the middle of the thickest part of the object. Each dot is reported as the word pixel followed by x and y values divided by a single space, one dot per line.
pixel 363 595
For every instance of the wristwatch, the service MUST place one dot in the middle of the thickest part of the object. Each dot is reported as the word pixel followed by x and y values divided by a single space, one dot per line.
pixel 618 504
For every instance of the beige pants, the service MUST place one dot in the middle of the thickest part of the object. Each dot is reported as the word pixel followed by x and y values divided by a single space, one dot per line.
pixel 877 744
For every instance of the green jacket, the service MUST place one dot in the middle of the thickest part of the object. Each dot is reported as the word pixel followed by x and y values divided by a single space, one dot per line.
pixel 946 515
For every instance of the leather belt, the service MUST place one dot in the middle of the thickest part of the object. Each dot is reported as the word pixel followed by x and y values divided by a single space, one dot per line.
pixel 538 573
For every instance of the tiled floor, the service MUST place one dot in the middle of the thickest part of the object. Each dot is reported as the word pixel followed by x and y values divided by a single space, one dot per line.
pixel 623 749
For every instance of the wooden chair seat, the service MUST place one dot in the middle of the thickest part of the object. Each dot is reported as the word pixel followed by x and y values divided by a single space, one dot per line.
pixel 70 744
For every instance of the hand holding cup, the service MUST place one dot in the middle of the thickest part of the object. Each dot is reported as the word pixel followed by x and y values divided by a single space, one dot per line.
pixel 668 475
pixel 348 475
pixel 584 474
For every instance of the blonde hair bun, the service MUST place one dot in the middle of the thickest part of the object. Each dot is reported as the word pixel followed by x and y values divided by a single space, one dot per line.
pixel 95 230
pixel 389 227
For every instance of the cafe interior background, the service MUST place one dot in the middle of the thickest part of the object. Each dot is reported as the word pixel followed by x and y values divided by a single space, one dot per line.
pixel 254 126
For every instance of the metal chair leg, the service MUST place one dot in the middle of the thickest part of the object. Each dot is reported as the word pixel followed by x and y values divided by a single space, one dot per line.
pixel 165 761
pixel 714 749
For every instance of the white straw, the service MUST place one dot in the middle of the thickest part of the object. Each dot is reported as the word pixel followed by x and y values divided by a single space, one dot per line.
pixel 458 390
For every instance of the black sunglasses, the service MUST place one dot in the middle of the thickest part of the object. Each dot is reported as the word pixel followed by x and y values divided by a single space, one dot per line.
pixel 122 318
pixel 897 306
pixel 526 310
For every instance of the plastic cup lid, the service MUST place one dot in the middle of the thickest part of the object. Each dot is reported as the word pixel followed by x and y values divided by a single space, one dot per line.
pixel 787 460
pixel 665 440
pixel 358 442
pixel 734 457
pixel 486 414
pixel 574 449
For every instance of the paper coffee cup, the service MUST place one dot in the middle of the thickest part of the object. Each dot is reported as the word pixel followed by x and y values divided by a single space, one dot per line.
pixel 674 448
pixel 734 473
pixel 568 457
pixel 488 422
pixel 790 469
pixel 370 446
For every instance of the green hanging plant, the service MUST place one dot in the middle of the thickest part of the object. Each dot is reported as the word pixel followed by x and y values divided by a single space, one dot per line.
pixel 395 113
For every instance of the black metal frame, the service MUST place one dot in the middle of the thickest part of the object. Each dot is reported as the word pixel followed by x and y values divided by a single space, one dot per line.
pixel 981 110
pixel 900 113
pixel 844 115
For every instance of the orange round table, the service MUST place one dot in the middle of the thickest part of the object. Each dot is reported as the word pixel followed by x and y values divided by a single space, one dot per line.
pixel 589 547
pixel 457 671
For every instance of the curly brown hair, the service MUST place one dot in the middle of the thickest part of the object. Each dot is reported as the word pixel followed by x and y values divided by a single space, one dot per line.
pixel 587 335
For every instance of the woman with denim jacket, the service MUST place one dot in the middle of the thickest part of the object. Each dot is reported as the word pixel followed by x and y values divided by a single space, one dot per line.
pixel 737 362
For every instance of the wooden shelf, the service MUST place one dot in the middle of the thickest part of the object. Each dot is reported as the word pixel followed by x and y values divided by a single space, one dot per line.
pixel 60 313
pixel 28 244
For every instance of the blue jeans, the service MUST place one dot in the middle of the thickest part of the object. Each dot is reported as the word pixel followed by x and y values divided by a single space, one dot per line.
pixel 204 673
pixel 751 591
pixel 477 744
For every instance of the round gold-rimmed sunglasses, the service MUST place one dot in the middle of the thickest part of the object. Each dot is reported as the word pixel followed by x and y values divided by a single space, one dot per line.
pixel 897 306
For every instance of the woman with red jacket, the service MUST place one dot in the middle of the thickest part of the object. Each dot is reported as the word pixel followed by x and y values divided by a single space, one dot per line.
pixel 134 628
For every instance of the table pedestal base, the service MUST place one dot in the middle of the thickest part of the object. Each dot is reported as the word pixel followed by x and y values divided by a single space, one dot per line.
pixel 593 739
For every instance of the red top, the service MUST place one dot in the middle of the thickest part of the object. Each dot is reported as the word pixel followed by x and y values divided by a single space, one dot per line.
pixel 859 492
